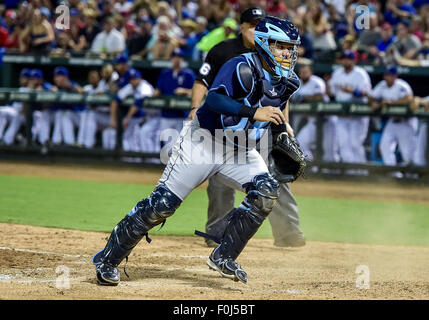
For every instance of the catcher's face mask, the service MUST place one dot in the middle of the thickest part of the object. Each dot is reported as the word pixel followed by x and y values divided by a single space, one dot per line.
pixel 283 53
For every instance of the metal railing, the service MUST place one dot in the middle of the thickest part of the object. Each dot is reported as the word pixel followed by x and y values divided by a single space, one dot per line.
pixel 319 110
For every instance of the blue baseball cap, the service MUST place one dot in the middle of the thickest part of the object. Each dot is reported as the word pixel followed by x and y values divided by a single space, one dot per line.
pixel 121 58
pixel 61 71
pixel 391 70
pixel 134 73
pixel 36 73
pixel 348 54
pixel 26 72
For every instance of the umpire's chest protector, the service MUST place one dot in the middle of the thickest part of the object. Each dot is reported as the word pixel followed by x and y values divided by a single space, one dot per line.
pixel 259 91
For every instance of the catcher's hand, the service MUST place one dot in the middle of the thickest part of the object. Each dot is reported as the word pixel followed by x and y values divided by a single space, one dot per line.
pixel 286 160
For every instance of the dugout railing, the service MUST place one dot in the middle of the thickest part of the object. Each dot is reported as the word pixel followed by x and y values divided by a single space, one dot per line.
pixel 319 110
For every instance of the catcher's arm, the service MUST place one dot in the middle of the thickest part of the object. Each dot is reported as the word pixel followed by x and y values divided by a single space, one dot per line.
pixel 289 129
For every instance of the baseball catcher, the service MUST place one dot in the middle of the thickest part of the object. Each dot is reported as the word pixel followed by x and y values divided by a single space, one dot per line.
pixel 249 93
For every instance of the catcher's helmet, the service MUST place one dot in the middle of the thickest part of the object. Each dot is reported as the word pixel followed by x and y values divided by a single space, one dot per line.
pixel 277 41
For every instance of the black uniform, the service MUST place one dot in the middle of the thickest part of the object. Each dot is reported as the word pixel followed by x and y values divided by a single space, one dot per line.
pixel 284 217
pixel 217 56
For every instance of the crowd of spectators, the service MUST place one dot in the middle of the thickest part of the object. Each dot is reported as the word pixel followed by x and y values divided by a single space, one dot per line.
pixel 393 31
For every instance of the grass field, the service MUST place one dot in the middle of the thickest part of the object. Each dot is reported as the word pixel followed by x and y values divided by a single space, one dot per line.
pixel 98 206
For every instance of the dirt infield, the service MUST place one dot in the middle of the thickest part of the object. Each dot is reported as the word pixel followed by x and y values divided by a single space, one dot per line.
pixel 35 260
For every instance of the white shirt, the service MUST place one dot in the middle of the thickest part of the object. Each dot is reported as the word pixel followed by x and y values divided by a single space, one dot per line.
pixel 357 78
pixel 144 89
pixel 108 42
pixel 398 90
pixel 16 104
pixel 314 85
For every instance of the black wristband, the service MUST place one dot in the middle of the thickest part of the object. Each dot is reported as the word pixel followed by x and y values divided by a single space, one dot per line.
pixel 246 112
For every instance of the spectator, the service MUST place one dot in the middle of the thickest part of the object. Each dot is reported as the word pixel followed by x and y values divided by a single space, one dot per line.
pixel 369 37
pixel 110 40
pixel 77 41
pixel 123 7
pixel 106 11
pixel 201 29
pixel 225 31
pixel 64 45
pixel 422 56
pixel 405 46
pixel 163 40
pixel 378 52
pixel 319 29
pixel 416 27
pixel 174 81
pixel 137 44
pixel 38 36
pixel 219 11
pixel 276 8
pixel 4 37
pixel 397 10
pixel 188 42
pixel 305 49
pixel 91 29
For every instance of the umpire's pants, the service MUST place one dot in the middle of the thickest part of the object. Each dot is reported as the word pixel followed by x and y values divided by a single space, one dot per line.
pixel 283 218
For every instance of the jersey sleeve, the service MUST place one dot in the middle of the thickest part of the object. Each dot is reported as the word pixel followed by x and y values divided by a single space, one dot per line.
pixel 405 89
pixel 210 67
pixel 376 93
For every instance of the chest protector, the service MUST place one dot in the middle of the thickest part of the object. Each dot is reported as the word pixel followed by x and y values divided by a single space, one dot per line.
pixel 259 92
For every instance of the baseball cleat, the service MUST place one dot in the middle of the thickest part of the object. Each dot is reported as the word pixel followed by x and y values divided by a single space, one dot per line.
pixel 107 275
pixel 96 259
pixel 228 268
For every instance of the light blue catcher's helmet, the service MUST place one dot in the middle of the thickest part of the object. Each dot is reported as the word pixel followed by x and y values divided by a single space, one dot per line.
pixel 269 33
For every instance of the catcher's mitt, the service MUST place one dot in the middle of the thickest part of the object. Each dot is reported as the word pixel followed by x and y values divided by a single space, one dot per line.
pixel 286 160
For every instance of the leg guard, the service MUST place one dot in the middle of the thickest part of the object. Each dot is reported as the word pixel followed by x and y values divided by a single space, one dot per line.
pixel 243 222
pixel 152 211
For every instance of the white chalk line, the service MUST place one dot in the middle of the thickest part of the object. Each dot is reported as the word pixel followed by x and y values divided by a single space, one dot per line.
pixel 46 252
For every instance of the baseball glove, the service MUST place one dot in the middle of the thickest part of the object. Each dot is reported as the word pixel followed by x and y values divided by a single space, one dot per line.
pixel 286 159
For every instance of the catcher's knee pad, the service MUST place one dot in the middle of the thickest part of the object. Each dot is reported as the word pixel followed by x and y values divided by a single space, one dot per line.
pixel 148 213
pixel 244 221
pixel 262 194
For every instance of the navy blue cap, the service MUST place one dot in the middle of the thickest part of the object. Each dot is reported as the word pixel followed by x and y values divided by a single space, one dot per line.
pixel 134 73
pixel 36 73
pixel 348 54
pixel 26 72
pixel 121 58
pixel 177 53
pixel 391 69
pixel 61 71
pixel 251 14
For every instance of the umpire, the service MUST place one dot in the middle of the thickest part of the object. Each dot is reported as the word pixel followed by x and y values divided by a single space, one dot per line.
pixel 284 216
